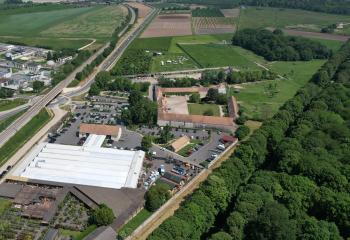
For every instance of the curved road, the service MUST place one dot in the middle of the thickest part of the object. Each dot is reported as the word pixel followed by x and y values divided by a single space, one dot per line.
pixel 110 61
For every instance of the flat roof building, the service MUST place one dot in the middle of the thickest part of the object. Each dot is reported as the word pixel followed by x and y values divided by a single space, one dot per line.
pixel 84 165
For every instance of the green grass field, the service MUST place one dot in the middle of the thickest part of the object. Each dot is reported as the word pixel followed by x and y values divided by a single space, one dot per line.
pixel 23 135
pixel 99 23
pixel 152 44
pixel 59 26
pixel 9 104
pixel 261 100
pixel 331 44
pixel 253 17
pixel 6 122
pixel 136 221
pixel 4 204
pixel 200 109
pixel 215 55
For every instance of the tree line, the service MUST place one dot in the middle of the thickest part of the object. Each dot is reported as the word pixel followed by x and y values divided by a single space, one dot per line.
pixel 275 46
pixel 105 82
pixel 334 6
pixel 289 180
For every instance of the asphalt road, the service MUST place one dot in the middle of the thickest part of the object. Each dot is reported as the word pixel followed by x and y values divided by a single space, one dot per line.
pixel 45 100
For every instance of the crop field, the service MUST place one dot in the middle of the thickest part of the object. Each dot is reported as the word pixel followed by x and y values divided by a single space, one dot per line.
pixel 169 25
pixel 207 12
pixel 261 100
pixel 152 44
pixel 254 17
pixel 212 25
pixel 59 27
pixel 96 24
pixel 217 55
pixel 231 13
pixel 50 43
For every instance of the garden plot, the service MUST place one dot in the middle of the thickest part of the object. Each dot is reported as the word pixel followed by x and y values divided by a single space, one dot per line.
pixel 213 25
pixel 169 25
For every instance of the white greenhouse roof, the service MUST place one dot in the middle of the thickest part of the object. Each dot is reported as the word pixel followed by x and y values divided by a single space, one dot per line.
pixel 94 140
pixel 84 165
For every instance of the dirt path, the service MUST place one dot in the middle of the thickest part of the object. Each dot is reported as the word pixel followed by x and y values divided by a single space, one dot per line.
pixel 168 209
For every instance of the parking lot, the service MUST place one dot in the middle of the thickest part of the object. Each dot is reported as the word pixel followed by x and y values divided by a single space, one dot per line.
pixel 105 110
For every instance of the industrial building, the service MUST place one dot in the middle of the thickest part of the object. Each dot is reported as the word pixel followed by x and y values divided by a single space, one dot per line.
pixel 90 164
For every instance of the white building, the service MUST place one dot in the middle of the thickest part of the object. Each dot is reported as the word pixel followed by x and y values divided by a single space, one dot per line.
pixel 89 165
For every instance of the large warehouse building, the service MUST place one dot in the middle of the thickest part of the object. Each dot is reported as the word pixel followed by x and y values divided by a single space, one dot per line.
pixel 89 165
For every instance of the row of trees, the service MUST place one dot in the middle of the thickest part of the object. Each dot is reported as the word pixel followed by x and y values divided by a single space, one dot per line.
pixel 295 207
pixel 105 82
pixel 141 110
pixel 334 6
pixel 274 46
pixel 232 77
pixel 70 66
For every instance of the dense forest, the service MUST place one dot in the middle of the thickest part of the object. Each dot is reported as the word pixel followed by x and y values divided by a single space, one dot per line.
pixel 289 180
pixel 334 6
pixel 274 46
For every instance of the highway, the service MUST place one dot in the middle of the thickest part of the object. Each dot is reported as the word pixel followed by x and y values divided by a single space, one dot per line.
pixel 46 99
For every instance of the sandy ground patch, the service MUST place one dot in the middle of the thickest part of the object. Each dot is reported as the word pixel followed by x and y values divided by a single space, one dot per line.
pixel 143 9
pixel 232 13
pixel 169 25
pixel 177 104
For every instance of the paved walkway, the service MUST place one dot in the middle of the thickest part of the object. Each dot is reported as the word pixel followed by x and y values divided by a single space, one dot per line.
pixel 37 138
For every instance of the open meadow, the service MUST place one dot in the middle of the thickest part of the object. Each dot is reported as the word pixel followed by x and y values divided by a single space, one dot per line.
pixel 59 26
pixel 258 17
pixel 217 55
pixel 261 100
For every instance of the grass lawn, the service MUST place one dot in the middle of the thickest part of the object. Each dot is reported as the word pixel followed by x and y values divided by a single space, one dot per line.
pixel 200 109
pixel 261 100
pixel 215 55
pixel 4 204
pixel 152 44
pixel 136 221
pixel 6 122
pixel 331 44
pixel 84 233
pixel 253 125
pixel 99 23
pixel 9 104
pixel 23 135
pixel 257 17
pixel 69 233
